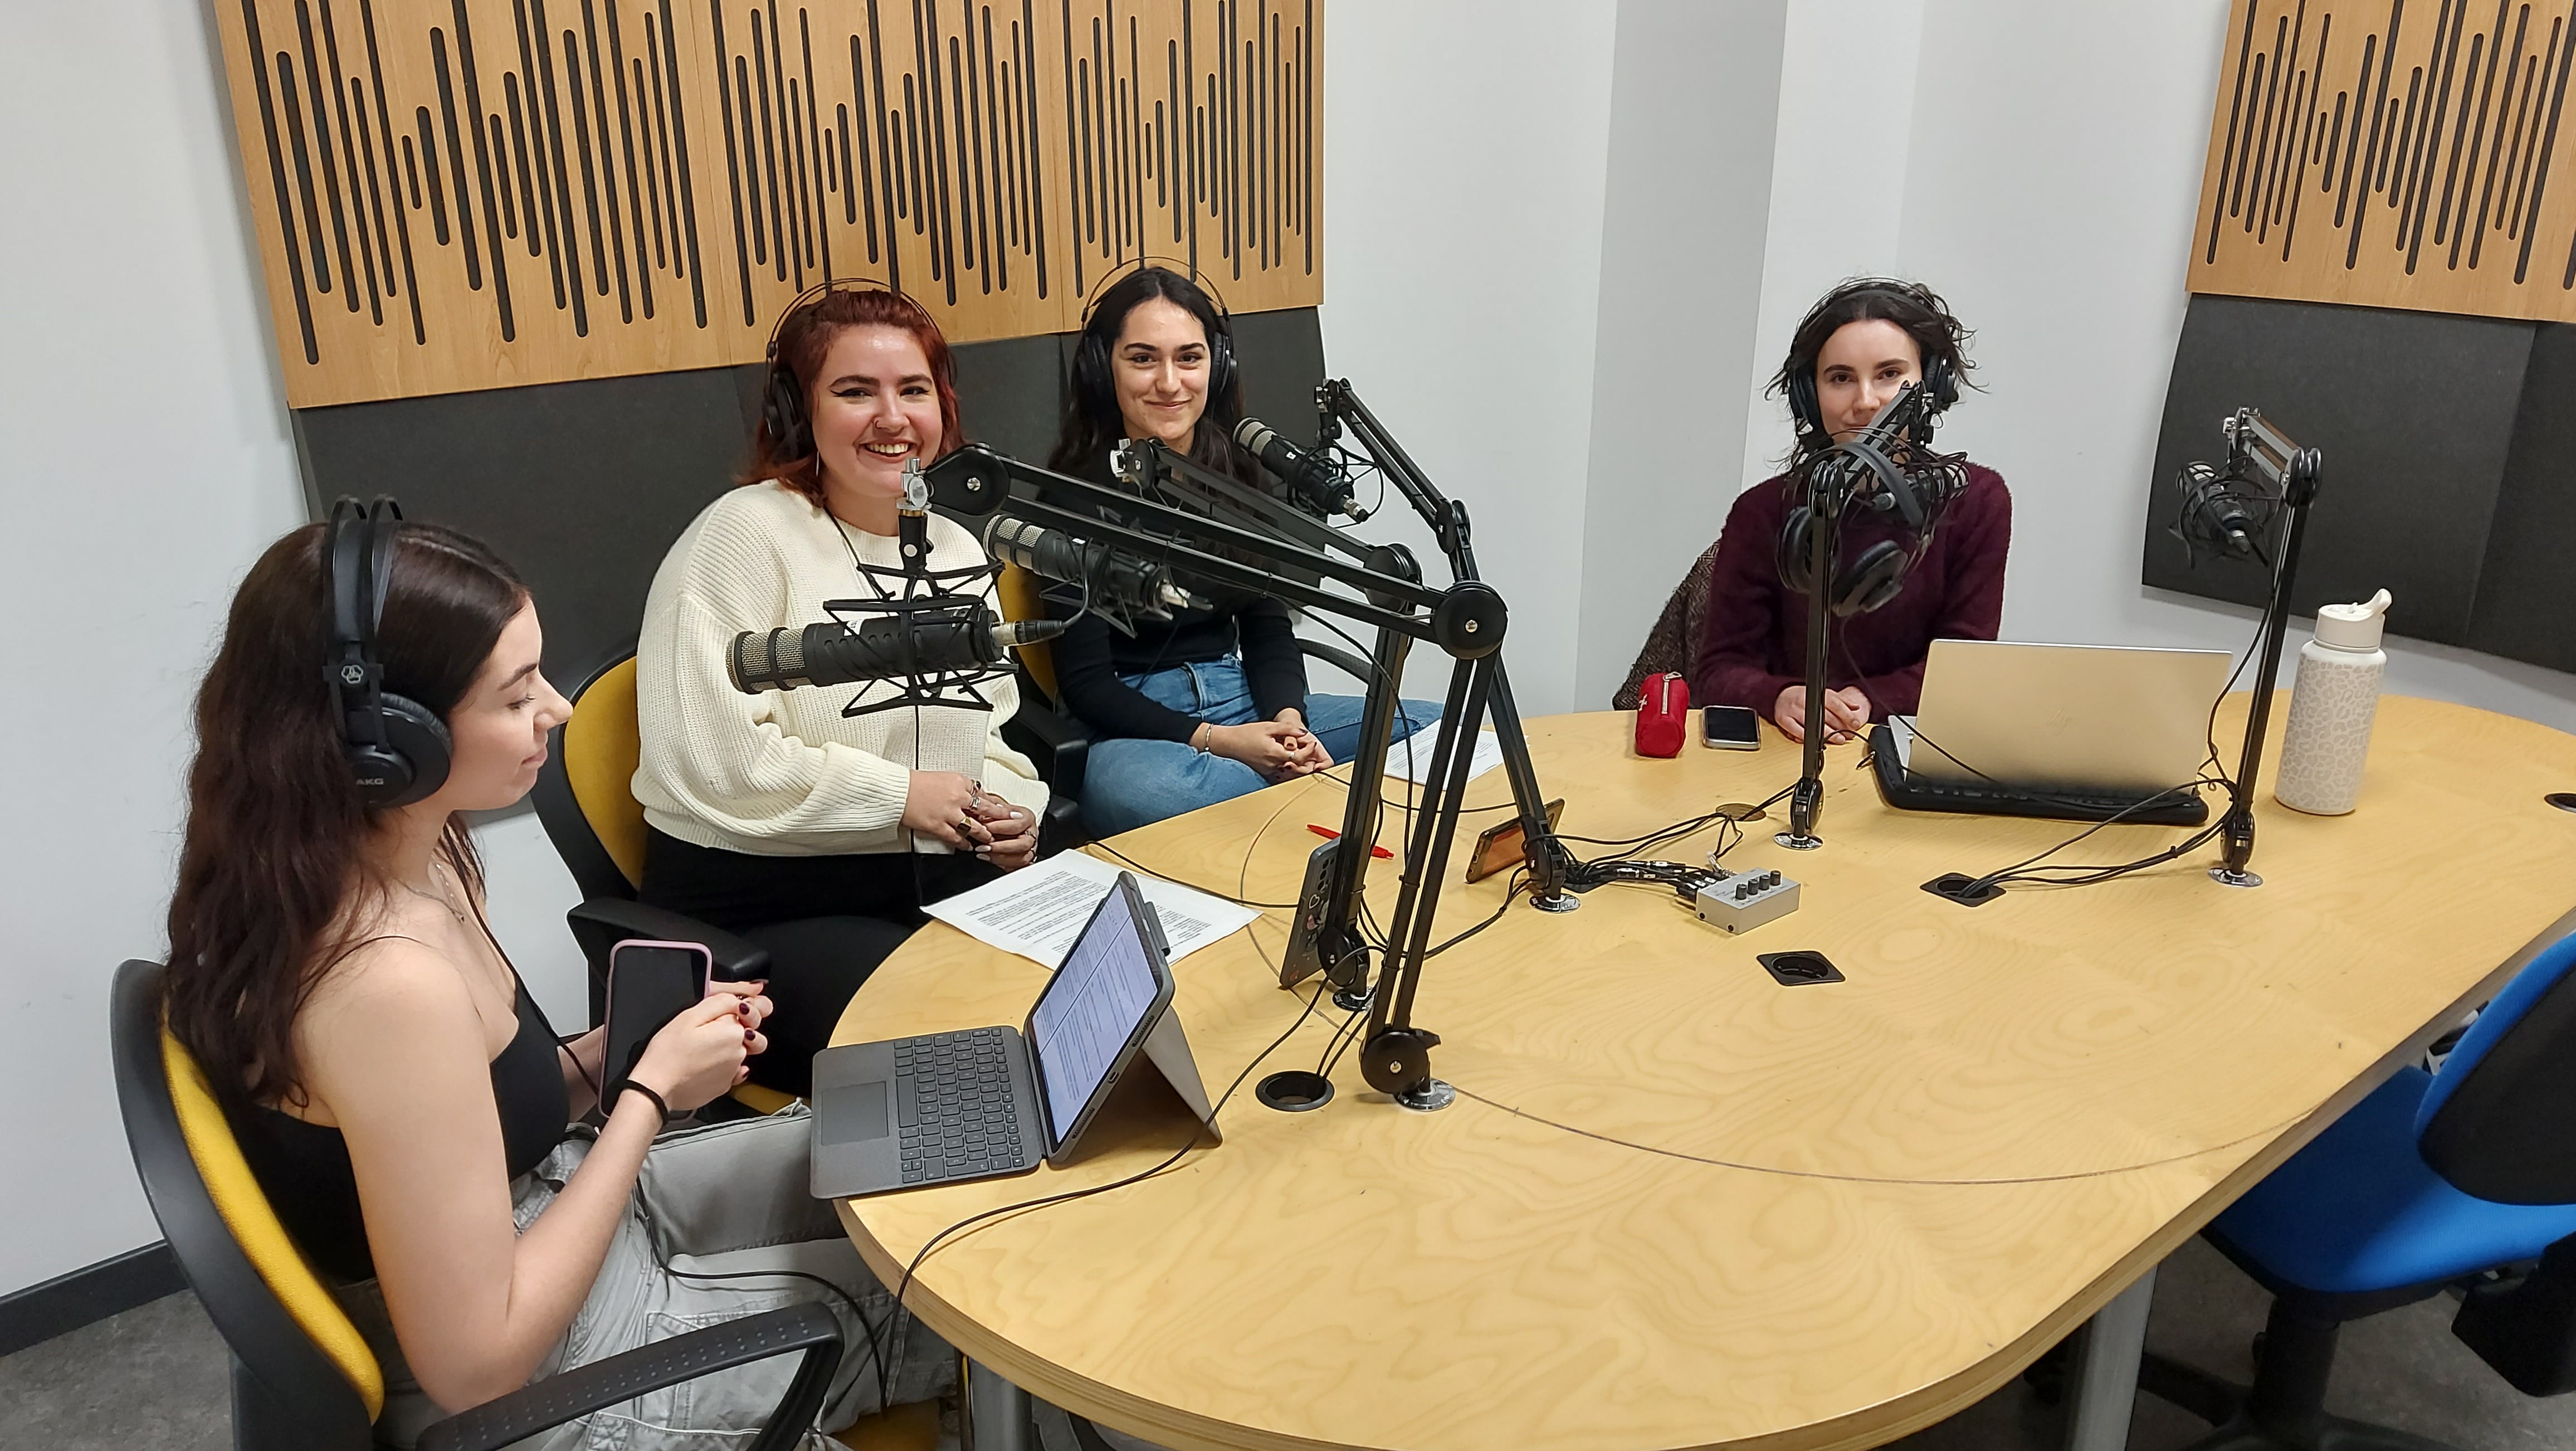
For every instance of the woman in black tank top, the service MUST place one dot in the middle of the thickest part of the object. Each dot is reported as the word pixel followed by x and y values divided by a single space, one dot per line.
pixel 397 1090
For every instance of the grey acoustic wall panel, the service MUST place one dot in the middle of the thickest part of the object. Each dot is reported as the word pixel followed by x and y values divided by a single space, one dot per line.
pixel 582 486
pixel 2527 589
pixel 2416 416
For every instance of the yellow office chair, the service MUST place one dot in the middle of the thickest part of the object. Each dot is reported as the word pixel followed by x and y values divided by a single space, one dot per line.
pixel 585 798
pixel 302 1375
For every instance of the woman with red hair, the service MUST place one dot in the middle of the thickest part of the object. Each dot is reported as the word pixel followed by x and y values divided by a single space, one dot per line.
pixel 780 808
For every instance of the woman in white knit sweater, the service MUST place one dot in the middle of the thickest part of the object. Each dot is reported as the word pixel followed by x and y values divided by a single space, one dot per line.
pixel 819 835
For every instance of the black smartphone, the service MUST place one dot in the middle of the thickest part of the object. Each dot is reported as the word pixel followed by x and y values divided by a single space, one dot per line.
pixel 1730 727
pixel 649 984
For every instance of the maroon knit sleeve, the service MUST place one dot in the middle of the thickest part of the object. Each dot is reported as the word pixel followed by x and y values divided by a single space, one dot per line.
pixel 1970 605
pixel 1733 666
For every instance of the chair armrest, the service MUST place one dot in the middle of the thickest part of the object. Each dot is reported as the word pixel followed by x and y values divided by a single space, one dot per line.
pixel 1060 743
pixel 1339 658
pixel 809 1329
pixel 602 922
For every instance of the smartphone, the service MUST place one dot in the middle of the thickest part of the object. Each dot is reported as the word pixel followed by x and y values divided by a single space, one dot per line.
pixel 649 984
pixel 1730 727
pixel 1502 846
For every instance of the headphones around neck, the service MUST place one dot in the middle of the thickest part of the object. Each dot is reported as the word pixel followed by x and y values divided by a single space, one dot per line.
pixel 398 750
pixel 1091 364
pixel 782 398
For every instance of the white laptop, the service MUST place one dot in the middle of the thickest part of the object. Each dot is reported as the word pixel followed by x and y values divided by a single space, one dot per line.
pixel 2075 718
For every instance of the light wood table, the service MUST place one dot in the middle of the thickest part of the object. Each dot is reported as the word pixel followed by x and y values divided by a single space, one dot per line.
pixel 1676 1204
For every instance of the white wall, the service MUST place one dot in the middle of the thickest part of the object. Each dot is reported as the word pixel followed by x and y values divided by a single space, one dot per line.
pixel 1695 92
pixel 1840 150
pixel 2050 184
pixel 146 462
pixel 1464 162
pixel 144 448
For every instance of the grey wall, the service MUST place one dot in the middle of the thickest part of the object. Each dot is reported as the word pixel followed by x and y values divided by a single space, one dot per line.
pixel 1695 95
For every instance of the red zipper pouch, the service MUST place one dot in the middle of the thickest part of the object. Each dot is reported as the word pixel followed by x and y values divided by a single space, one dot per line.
pixel 1662 709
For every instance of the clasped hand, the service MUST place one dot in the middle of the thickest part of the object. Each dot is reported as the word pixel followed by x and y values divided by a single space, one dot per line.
pixel 1846 714
pixel 700 1055
pixel 1280 750
pixel 956 810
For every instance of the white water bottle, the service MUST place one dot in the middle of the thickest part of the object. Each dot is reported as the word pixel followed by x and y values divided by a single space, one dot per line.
pixel 2332 704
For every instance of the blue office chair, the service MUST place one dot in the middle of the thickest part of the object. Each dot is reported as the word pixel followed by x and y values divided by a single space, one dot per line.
pixel 2463 1178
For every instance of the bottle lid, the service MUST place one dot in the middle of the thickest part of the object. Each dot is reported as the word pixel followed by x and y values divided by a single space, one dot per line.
pixel 2352 627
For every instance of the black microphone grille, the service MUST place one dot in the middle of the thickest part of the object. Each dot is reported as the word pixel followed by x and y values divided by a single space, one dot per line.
pixel 1253 434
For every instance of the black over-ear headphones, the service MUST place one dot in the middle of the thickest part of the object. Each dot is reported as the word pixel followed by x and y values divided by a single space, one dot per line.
pixel 397 749
pixel 782 398
pixel 1865 584
pixel 1091 372
pixel 1807 412
pixel 1878 575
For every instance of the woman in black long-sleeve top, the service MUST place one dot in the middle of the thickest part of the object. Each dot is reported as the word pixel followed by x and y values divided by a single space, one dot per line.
pixel 1212 703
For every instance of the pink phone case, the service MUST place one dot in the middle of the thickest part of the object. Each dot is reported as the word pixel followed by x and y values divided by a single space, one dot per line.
pixel 706 973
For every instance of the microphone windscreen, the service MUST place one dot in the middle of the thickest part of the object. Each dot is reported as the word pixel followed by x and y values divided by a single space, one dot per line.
pixel 766 660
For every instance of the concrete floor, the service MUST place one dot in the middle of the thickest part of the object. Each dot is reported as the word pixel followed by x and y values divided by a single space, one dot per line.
pixel 155 1377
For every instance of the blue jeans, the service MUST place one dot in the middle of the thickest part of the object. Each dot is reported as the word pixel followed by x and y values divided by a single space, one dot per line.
pixel 1130 783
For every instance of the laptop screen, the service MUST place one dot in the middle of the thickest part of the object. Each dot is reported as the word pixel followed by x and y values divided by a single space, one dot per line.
pixel 1092 1008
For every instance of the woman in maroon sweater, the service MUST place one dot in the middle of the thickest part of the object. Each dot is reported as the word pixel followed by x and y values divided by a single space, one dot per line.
pixel 1862 342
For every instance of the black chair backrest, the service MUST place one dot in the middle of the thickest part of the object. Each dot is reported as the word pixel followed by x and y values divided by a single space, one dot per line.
pixel 294 1397
pixel 2500 1120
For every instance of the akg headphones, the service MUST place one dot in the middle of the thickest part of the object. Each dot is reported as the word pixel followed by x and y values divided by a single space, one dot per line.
pixel 397 749
pixel 1091 353
pixel 1878 575
pixel 1940 381
pixel 782 398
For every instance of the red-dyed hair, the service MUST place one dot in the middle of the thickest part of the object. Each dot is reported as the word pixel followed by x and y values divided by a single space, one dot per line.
pixel 806 335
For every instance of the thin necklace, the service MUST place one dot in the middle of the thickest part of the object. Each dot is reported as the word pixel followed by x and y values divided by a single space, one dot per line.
pixel 441 898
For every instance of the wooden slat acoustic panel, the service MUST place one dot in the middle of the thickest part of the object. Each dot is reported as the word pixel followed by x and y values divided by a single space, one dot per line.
pixel 2394 153
pixel 466 194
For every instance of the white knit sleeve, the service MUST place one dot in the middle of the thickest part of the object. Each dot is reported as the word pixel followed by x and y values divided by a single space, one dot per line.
pixel 722 755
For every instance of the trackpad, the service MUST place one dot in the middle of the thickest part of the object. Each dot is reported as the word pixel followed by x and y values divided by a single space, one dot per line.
pixel 853 1112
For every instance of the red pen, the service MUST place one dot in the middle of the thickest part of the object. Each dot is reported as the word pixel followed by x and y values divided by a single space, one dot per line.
pixel 1326 832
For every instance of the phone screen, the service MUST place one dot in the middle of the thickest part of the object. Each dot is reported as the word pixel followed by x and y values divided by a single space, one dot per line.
pixel 1502 846
pixel 1728 725
pixel 649 984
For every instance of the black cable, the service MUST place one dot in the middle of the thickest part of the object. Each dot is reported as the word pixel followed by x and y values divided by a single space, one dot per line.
pixel 1193 886
pixel 885 1394
pixel 1511 891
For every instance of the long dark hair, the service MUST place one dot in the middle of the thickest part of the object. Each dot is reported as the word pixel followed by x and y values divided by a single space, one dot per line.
pixel 1912 306
pixel 804 337
pixel 1092 423
pixel 274 881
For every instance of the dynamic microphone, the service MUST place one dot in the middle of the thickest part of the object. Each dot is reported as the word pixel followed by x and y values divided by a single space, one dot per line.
pixel 879 647
pixel 1311 477
pixel 1123 581
pixel 2213 511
